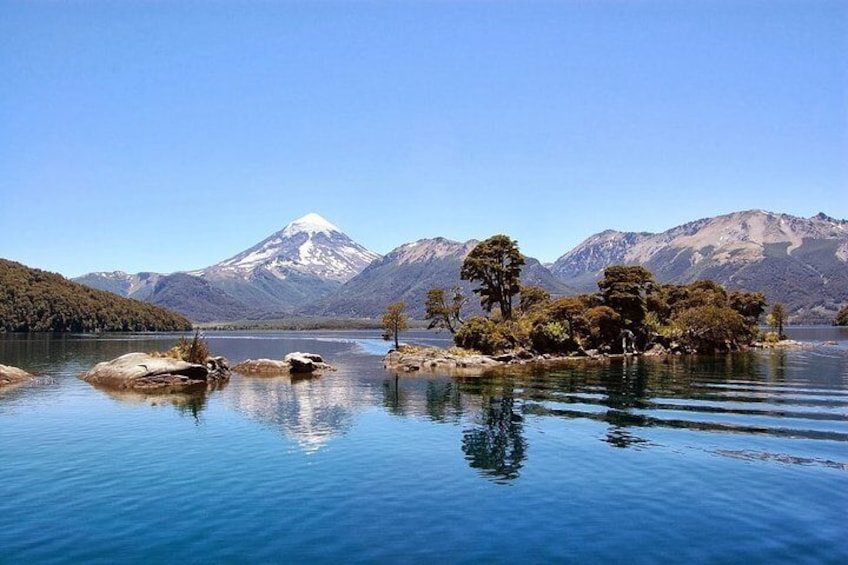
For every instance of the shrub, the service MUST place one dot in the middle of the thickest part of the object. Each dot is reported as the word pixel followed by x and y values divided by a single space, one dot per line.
pixel 604 326
pixel 481 334
pixel 712 328
pixel 194 351
pixel 551 337
pixel 842 317
pixel 771 337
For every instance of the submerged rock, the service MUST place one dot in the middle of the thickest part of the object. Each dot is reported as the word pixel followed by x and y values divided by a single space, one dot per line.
pixel 140 371
pixel 293 363
pixel 13 375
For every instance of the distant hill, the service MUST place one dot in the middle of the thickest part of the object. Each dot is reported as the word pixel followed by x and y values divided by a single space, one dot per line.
pixel 32 300
pixel 800 262
pixel 139 286
pixel 408 272
pixel 197 299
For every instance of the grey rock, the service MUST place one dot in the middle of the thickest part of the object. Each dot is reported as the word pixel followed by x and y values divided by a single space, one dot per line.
pixel 263 367
pixel 140 371
pixel 293 363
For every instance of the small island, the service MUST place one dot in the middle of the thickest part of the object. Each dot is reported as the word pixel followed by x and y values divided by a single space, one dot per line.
pixel 630 314
pixel 297 363
pixel 187 366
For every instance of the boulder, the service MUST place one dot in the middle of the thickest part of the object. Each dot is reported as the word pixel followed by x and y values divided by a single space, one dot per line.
pixel 293 363
pixel 219 368
pixel 13 375
pixel 267 367
pixel 140 371
pixel 303 362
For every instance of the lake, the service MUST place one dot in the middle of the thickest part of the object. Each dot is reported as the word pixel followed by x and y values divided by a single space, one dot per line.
pixel 718 459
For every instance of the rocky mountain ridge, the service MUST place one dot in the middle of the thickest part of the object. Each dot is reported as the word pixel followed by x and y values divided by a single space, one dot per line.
pixel 311 268
pixel 801 262
pixel 408 272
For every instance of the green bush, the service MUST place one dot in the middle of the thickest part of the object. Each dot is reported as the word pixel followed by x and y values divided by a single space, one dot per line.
pixel 604 326
pixel 771 337
pixel 712 328
pixel 551 337
pixel 483 335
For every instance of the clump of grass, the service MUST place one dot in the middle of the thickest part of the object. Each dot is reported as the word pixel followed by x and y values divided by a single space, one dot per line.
pixel 461 352
pixel 771 337
pixel 195 351
pixel 411 349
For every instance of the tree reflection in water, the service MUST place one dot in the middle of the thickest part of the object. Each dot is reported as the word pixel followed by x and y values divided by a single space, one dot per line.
pixel 497 447
pixel 438 398
pixel 625 392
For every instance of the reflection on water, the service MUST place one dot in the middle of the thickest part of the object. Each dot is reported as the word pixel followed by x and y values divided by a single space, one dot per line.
pixel 705 455
pixel 496 444
pixel 310 411
pixel 792 395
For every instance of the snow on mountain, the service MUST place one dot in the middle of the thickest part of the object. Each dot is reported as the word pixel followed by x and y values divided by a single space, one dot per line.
pixel 311 223
pixel 308 246
pixel 305 261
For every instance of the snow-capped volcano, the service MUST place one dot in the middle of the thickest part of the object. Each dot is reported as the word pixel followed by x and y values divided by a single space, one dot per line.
pixel 307 246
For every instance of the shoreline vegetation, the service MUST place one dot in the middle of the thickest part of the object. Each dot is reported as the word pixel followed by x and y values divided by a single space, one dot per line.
pixel 631 314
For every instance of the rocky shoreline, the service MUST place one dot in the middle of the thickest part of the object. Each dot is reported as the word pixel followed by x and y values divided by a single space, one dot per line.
pixel 433 359
pixel 414 359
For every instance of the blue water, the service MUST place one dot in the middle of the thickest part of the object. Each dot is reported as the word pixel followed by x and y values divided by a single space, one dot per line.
pixel 716 459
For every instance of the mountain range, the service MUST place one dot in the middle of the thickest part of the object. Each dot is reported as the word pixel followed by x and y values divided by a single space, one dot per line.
pixel 800 262
pixel 311 267
pixel 304 262
pixel 408 272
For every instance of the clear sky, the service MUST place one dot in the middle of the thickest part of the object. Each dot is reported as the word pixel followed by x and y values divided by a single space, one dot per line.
pixel 168 135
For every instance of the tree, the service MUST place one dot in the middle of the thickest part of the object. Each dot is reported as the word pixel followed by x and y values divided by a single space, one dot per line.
pixel 777 318
pixel 533 297
pixel 604 324
pixel 710 327
pixel 624 289
pixel 842 317
pixel 395 321
pixel 750 304
pixel 440 313
pixel 496 264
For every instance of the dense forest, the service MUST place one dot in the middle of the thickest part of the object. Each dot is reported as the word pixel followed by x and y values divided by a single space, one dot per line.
pixel 842 317
pixel 32 300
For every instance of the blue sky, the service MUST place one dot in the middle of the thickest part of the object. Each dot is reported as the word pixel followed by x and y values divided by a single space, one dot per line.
pixel 168 136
